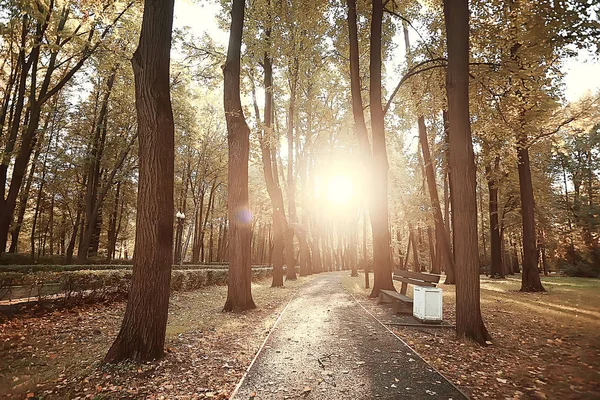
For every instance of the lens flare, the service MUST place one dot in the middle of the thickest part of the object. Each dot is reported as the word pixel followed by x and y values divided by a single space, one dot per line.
pixel 243 215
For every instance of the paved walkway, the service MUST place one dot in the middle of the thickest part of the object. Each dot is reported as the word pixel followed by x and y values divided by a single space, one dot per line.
pixel 326 346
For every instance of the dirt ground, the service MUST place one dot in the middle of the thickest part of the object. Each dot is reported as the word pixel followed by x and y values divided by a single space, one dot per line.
pixel 57 355
pixel 545 345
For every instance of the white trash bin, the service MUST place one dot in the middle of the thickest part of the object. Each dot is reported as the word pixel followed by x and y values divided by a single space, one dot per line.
pixel 427 304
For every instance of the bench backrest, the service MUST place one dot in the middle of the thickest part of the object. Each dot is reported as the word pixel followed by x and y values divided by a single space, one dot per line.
pixel 418 276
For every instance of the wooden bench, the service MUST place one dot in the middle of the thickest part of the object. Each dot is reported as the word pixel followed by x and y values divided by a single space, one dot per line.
pixel 401 302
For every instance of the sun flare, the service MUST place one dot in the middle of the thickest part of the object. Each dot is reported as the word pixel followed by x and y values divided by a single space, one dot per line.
pixel 340 190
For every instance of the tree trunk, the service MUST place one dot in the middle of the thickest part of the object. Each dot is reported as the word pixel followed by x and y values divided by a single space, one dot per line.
pixel 76 223
pixel 273 188
pixel 23 205
pixel 95 157
pixel 543 253
pixel 415 251
pixel 450 222
pixel 462 168
pixel 112 225
pixel 530 279
pixel 290 273
pixel 432 257
pixel 198 231
pixel 381 234
pixel 447 256
pixel 239 294
pixel 375 162
pixel 496 270
pixel 142 334
pixel 364 252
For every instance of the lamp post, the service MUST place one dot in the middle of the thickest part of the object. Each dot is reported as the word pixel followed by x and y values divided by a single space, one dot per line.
pixel 178 237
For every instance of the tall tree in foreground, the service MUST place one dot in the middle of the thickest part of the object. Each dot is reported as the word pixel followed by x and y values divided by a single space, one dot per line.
pixel 142 334
pixel 376 161
pixel 382 262
pixel 462 169
pixel 239 294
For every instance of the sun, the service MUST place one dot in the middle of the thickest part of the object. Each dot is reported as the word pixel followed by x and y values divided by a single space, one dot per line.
pixel 340 190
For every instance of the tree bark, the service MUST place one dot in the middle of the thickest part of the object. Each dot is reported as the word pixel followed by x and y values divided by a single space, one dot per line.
pixel 450 222
pixel 142 334
pixel 23 205
pixel 530 279
pixel 273 188
pixel 365 258
pixel 447 256
pixel 96 150
pixel 239 295
pixel 290 273
pixel 112 225
pixel 469 322
pixel 496 270
pixel 376 161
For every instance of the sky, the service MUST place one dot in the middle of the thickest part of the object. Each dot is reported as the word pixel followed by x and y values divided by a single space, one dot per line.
pixel 582 74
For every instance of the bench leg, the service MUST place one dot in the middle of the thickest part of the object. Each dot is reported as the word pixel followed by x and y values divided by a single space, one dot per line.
pixel 383 299
pixel 401 307
pixel 404 288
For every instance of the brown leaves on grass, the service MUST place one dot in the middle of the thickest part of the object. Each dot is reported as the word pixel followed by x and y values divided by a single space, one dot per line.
pixel 542 348
pixel 532 357
pixel 58 355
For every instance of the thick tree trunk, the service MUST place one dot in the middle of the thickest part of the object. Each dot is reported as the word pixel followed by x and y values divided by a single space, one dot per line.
pixel 142 334
pixel 530 280
pixel 239 295
pixel 462 168
pixel 381 234
pixel 375 162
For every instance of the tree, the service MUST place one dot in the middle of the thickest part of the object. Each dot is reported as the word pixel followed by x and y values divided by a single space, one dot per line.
pixel 469 322
pixel 53 26
pixel 496 270
pixel 375 161
pixel 143 330
pixel 239 292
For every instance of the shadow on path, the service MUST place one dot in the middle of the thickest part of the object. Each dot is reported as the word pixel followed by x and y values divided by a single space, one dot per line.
pixel 326 346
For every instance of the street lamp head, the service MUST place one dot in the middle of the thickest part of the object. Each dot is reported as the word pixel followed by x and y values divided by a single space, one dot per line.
pixel 180 215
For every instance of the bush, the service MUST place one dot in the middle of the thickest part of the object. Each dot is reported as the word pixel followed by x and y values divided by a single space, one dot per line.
pixel 582 269
pixel 31 268
pixel 101 285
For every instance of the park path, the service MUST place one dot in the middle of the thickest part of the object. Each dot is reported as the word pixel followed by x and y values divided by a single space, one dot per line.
pixel 326 346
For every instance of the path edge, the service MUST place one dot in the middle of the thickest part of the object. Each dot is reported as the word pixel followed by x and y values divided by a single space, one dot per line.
pixel 241 381
pixel 407 345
